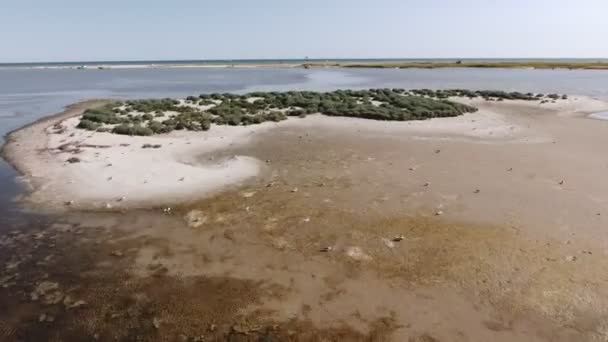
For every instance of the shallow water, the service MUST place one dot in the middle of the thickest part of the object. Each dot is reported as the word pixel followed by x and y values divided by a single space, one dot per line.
pixel 599 116
pixel 124 265
pixel 27 95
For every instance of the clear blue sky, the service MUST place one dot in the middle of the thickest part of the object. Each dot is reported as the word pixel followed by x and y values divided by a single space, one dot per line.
pixel 73 30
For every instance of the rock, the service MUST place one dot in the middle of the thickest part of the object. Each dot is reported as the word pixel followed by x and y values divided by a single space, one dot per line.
pixel 281 243
pixel 269 184
pixel 561 182
pixel 195 218
pixel 571 258
pixel 306 219
pixel 398 238
pixel 182 179
pixel 476 191
pixel 6 279
pixel 439 213
pixel 212 327
pixel 108 205
pixel 156 322
pixel 426 184
pixel 45 318
pixel 53 298
pixel 43 289
pixel 357 253
pixel 248 194
pixel 388 243
pixel 121 199
pixel 70 202
pixel 70 303
pixel 151 146
pixel 294 190
pixel 229 234
pixel 73 160
pixel 510 169
pixel 326 249
pixel 437 150
pixel 116 253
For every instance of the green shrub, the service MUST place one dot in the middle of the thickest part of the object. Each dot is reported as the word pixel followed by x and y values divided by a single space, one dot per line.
pixel 88 125
pixel 126 129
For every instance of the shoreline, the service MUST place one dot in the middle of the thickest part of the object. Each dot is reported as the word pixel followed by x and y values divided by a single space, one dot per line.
pixel 534 65
pixel 184 167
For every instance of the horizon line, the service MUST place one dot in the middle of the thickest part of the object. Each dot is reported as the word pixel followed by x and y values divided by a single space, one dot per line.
pixel 298 59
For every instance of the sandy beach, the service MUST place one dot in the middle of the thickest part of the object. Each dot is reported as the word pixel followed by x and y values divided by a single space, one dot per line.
pixel 485 226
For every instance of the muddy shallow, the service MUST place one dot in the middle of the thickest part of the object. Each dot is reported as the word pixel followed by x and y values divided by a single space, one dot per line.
pixel 346 235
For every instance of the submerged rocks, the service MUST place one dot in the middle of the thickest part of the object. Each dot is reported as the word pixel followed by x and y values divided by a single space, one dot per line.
pixel 48 292
pixel 71 303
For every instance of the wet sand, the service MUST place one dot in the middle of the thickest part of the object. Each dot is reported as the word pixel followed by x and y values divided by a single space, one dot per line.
pixel 501 237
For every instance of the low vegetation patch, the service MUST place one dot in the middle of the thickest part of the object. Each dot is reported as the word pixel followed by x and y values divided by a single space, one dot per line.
pixel 198 113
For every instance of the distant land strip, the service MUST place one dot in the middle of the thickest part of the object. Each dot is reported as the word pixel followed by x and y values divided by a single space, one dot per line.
pixel 463 64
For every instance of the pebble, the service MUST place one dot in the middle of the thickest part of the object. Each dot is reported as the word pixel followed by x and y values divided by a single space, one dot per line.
pixel 398 238
pixel 571 258
pixel 116 253
pixel 439 213
pixel 46 318
pixel 248 194
pixel 388 243
pixel 326 249
pixel 156 322
pixel 357 254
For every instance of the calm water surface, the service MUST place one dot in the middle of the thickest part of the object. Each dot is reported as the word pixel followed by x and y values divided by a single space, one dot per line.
pixel 27 95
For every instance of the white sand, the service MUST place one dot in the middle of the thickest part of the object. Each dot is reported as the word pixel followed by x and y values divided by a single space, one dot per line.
pixel 116 172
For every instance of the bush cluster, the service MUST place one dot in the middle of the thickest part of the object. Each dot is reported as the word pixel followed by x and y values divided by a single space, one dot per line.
pixel 147 117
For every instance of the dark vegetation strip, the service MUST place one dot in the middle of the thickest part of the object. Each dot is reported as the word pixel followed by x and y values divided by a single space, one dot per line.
pixel 147 117
pixel 460 64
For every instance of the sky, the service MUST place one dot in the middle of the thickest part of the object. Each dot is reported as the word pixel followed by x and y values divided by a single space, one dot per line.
pixel 85 30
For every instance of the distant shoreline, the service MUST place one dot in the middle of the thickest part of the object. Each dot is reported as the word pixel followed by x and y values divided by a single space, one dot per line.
pixel 571 64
